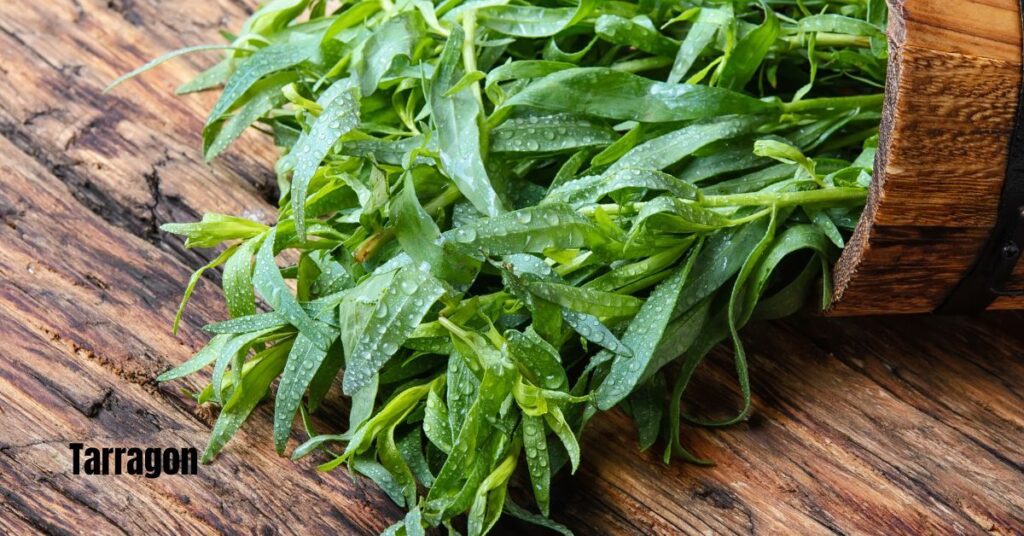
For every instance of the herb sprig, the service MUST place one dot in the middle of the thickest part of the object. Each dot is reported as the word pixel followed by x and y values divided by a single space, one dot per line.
pixel 505 216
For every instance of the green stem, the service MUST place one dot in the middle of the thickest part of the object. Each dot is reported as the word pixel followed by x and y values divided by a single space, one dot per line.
pixel 469 50
pixel 755 216
pixel 579 261
pixel 374 242
pixel 612 209
pixel 826 39
pixel 783 199
pixel 834 103
pixel 450 326
pixel 642 64
pixel 448 197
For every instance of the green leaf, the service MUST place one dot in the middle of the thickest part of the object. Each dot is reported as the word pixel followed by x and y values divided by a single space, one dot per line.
pixel 392 460
pixel 673 215
pixel 722 256
pixel 749 53
pixel 214 229
pixel 436 424
pixel 213 77
pixel 467 466
pixel 256 379
pixel 603 92
pixel 556 421
pixel 642 337
pixel 304 361
pixel 458 134
pixel 595 302
pixel 697 40
pixel 529 230
pixel 220 259
pixel 739 310
pixel 626 274
pixel 490 496
pixel 233 352
pixel 237 279
pixel 646 407
pixel 271 285
pixel 591 329
pixel 340 115
pixel 263 97
pixel 419 236
pixel 391 40
pixel 638 33
pixel 401 308
pixel 519 70
pixel 663 151
pixel 396 410
pixel 838 24
pixel 169 56
pixel 538 361
pixel 324 377
pixel 537 460
pixel 245 324
pixel 533 21
pixel 363 402
pixel 273 16
pixel 522 514
pixel 593 188
pixel 206 355
pixel 263 62
pixel 468 80
pixel 549 134
pixel 463 386
pixel 382 477
pixel 415 229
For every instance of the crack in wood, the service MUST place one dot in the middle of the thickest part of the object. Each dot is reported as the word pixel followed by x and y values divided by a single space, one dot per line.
pixel 126 8
pixel 106 205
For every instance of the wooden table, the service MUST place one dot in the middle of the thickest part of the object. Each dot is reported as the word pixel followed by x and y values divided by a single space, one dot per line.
pixel 884 426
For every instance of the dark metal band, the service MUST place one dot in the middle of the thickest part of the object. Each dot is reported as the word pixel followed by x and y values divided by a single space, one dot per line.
pixel 987 279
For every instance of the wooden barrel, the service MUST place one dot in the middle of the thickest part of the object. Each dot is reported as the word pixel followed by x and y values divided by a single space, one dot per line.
pixel 931 235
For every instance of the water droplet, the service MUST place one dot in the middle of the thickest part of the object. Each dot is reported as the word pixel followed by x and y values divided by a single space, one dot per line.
pixel 465 235
pixel 381 311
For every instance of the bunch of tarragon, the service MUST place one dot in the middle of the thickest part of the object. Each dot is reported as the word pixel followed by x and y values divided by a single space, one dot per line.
pixel 500 217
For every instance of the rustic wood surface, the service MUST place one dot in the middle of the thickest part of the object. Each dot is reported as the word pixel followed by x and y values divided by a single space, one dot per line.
pixel 951 102
pixel 906 425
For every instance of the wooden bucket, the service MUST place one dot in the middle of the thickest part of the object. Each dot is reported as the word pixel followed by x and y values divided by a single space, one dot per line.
pixel 938 231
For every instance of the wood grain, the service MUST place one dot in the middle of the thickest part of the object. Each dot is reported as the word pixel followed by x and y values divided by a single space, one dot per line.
pixel 868 426
pixel 951 101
